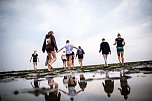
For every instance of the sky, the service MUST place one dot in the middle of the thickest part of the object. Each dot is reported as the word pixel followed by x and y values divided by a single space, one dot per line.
pixel 24 24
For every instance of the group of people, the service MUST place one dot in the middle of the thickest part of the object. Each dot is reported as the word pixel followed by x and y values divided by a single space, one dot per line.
pixel 50 46
pixel 124 88
pixel 105 48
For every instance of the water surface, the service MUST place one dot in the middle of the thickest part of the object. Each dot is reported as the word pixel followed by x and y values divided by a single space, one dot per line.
pixel 96 87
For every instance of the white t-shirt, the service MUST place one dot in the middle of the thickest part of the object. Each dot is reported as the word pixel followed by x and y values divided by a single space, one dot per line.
pixel 69 48
pixel 63 56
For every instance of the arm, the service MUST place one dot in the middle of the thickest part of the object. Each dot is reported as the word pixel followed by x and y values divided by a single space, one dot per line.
pixel 115 42
pixel 63 91
pixel 100 48
pixel 44 45
pixel 103 84
pixel 30 58
pixel 75 47
pixel 60 49
pixel 129 88
pixel 83 51
pixel 109 49
pixel 32 85
pixel 123 42
pixel 79 91
pixel 39 83
pixel 119 89
pixel 77 54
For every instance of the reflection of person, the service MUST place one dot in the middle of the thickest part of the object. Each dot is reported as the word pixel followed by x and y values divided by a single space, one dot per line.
pixel 36 83
pixel 120 50
pixel 108 85
pixel 35 59
pixel 104 46
pixel 53 94
pixel 65 81
pixel 63 57
pixel 82 82
pixel 50 47
pixel 69 47
pixel 125 88
pixel 71 88
pixel 80 53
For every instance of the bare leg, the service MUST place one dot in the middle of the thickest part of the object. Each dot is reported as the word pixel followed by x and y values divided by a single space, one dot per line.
pixel 80 62
pixel 64 64
pixel 49 61
pixel 72 61
pixel 105 59
pixel 53 54
pixel 107 75
pixel 118 53
pixel 34 64
pixel 69 62
pixel 122 57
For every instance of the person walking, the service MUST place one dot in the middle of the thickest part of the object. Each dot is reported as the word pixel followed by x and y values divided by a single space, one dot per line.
pixel 120 50
pixel 35 59
pixel 50 47
pixel 69 48
pixel 63 57
pixel 80 53
pixel 105 48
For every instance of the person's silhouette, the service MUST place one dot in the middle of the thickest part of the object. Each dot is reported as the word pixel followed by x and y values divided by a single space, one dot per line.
pixel 71 88
pixel 125 88
pixel 53 95
pixel 82 82
pixel 108 85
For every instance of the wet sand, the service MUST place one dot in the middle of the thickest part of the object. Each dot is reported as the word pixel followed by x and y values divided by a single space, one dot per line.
pixel 131 66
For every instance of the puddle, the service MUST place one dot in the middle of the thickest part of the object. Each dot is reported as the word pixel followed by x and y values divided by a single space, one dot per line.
pixel 99 85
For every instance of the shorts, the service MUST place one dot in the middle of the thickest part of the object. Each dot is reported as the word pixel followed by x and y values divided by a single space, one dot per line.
pixel 49 50
pixel 63 60
pixel 120 49
pixel 80 56
pixel 34 60
pixel 105 52
pixel 68 55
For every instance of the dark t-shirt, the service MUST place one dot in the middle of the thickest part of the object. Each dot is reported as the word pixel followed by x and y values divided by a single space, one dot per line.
pixel 51 46
pixel 104 46
pixel 119 42
pixel 34 57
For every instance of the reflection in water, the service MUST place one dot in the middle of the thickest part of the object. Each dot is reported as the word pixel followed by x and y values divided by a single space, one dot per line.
pixel 82 82
pixel 65 80
pixel 36 83
pixel 53 94
pixel 71 87
pixel 108 85
pixel 125 88
pixel 79 87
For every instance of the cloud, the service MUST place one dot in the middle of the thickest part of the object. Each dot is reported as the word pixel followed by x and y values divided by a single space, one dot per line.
pixel 23 25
